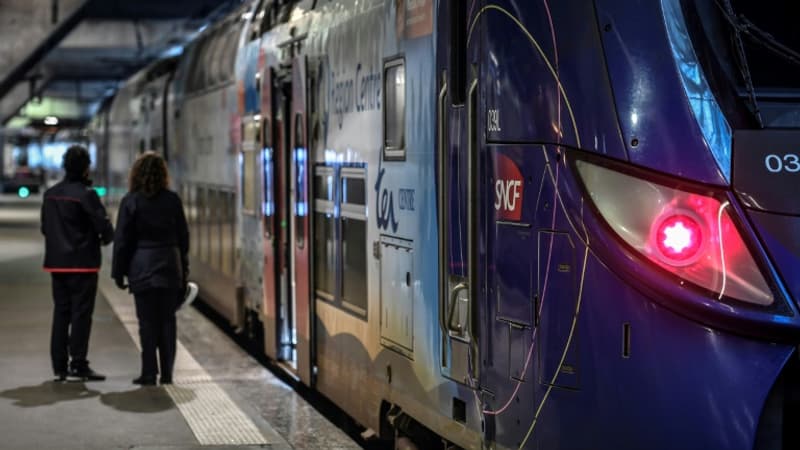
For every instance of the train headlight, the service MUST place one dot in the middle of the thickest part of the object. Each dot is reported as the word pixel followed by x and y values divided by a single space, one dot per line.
pixel 688 234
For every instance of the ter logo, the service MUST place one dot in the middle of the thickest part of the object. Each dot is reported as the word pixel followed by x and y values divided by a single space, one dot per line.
pixel 508 189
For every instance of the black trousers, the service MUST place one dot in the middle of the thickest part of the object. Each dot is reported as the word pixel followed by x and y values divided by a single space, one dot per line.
pixel 155 309
pixel 73 298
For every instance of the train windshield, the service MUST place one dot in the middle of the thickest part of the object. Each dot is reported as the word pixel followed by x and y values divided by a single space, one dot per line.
pixel 750 53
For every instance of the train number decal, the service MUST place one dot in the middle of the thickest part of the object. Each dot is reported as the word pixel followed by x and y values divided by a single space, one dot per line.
pixel 493 120
pixel 790 162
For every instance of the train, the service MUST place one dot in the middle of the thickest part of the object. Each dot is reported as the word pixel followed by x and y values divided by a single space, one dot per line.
pixel 491 224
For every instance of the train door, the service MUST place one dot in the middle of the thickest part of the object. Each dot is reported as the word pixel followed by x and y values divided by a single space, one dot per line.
pixel 284 300
pixel 270 288
pixel 457 195
pixel 301 225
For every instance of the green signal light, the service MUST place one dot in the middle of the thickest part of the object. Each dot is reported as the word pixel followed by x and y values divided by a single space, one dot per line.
pixel 101 191
pixel 23 192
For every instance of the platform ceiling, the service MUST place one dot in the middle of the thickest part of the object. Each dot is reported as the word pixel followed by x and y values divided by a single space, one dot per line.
pixel 60 57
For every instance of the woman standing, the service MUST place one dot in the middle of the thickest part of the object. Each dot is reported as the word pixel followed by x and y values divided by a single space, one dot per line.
pixel 151 247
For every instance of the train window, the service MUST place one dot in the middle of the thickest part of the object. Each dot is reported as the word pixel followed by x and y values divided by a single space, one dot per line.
pixel 324 255
pixel 301 196
pixel 268 19
pixel 202 248
pixel 353 190
pixel 250 183
pixel 227 231
pixel 394 112
pixel 255 24
pixel 209 224
pixel 354 264
pixel 229 54
pixel 188 205
pixel 324 233
pixel 206 229
pixel 354 238
pixel 268 208
pixel 194 232
pixel 198 67
pixel 213 59
pixel 299 135
pixel 213 228
pixel 266 133
pixel 323 185
pixel 219 227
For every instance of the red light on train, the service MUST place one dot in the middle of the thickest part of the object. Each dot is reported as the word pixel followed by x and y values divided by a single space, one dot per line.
pixel 689 234
pixel 679 238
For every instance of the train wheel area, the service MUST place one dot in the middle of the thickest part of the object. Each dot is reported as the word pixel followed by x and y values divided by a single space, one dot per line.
pixel 220 397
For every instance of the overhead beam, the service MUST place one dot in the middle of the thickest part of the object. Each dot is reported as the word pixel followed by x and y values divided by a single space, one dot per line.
pixel 158 9
pixel 51 41
pixel 11 104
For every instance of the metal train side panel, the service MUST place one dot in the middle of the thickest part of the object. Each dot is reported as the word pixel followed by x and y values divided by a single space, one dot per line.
pixel 206 165
pixel 211 168
pixel 344 44
pixel 568 341
pixel 382 351
pixel 251 171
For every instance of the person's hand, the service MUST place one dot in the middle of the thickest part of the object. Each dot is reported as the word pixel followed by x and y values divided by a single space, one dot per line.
pixel 120 281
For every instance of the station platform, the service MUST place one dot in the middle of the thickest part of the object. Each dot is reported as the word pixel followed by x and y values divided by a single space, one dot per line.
pixel 221 397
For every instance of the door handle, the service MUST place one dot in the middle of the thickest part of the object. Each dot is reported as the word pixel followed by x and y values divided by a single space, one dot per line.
pixel 458 328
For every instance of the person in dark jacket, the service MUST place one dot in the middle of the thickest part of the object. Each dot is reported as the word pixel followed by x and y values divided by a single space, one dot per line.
pixel 151 248
pixel 74 224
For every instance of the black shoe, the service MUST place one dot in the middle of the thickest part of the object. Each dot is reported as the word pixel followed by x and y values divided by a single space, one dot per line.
pixel 145 381
pixel 165 380
pixel 86 374
pixel 60 377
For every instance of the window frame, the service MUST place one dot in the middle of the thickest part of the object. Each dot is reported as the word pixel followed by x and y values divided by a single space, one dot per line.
pixel 355 212
pixel 342 212
pixel 251 149
pixel 391 153
pixel 327 206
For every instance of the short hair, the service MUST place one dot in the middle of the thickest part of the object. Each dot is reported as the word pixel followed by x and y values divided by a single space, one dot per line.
pixel 76 161
pixel 149 174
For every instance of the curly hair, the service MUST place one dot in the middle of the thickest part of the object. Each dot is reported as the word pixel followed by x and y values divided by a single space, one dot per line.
pixel 149 174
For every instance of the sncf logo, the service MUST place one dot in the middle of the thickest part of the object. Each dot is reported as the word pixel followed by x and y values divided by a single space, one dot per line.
pixel 508 189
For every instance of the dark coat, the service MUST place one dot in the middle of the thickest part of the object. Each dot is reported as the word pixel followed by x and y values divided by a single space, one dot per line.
pixel 74 224
pixel 151 245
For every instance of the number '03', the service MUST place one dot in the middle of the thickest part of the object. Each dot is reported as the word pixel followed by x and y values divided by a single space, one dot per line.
pixel 789 163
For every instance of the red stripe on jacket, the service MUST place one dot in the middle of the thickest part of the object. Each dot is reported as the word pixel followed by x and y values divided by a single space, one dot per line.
pixel 62 198
pixel 71 270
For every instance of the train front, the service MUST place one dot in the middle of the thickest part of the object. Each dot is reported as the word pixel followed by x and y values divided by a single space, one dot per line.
pixel 678 170
pixel 705 214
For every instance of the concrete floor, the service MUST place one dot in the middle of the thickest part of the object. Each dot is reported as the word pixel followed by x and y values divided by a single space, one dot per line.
pixel 36 413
